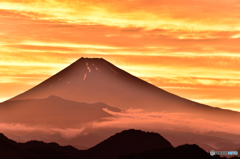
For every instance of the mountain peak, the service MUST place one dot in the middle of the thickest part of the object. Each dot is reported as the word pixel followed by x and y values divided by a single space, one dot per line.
pixel 87 65
pixel 129 142
pixel 88 58
pixel 54 97
pixel 5 141
pixel 84 59
pixel 3 137
pixel 94 80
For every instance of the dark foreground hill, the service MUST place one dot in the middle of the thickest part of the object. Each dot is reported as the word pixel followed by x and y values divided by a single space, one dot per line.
pixel 180 152
pixel 129 144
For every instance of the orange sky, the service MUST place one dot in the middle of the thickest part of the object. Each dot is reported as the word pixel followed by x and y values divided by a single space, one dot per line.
pixel 188 47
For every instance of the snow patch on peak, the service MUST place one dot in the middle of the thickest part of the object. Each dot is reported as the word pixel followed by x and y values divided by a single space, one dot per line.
pixel 89 70
pixel 85 76
pixel 95 67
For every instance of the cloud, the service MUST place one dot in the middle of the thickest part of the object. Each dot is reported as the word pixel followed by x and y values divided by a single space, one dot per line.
pixel 195 82
pixel 228 103
pixel 185 15
pixel 164 121
pixel 129 119
pixel 12 89
pixel 21 128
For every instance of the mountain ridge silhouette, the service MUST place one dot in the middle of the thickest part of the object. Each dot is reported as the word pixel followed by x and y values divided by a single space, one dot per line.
pixel 155 146
pixel 52 111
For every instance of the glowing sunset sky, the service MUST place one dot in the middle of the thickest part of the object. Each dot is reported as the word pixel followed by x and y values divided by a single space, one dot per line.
pixel 187 47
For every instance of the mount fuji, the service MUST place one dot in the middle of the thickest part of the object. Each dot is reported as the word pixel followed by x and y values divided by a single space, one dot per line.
pixel 94 80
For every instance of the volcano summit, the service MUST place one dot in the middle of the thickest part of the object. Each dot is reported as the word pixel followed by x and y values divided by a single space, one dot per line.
pixel 94 80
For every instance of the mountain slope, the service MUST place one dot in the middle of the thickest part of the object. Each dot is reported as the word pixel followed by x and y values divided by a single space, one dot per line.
pixel 128 142
pixel 52 111
pixel 97 80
